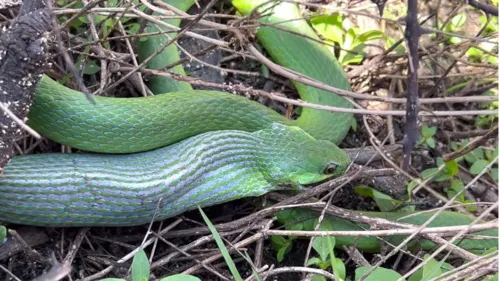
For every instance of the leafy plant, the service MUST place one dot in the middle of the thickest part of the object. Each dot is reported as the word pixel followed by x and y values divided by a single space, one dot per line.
pixel 486 121
pixel 385 202
pixel 351 40
pixel 140 271
pixel 324 247
pixel 377 274
pixel 431 269
pixel 478 159
pixel 427 136
pixel 454 26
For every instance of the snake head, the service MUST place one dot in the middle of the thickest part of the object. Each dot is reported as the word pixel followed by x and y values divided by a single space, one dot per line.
pixel 291 157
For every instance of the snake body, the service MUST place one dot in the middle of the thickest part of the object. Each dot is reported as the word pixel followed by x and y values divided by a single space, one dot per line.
pixel 120 125
pixel 132 189
pixel 191 148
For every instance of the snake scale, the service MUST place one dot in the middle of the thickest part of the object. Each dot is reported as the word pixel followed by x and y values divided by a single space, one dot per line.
pixel 160 156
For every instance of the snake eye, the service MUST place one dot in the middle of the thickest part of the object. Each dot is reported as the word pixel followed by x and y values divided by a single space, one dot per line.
pixel 330 168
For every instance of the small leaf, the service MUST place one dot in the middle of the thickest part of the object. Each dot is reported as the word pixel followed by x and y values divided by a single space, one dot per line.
pixel 318 277
pixel 456 187
pixel 471 208
pixel 279 241
pixel 379 274
pixel 281 253
pixel 452 167
pixel 370 35
pixel 320 245
pixel 478 152
pixel 428 132
pixel 91 68
pixel 339 268
pixel 493 277
pixel 478 166
pixel 313 261
pixel 432 268
pixel 329 26
pixel 133 28
pixel 181 277
pixel 354 125
pixel 140 266
pixel 442 177
pixel 494 174
pixel 113 3
pixel 385 202
pixel 430 142
pixel 428 173
pixel 458 20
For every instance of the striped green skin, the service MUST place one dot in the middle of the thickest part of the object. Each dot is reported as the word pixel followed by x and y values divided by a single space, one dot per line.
pixel 115 125
pixel 123 190
pixel 308 220
pixel 147 48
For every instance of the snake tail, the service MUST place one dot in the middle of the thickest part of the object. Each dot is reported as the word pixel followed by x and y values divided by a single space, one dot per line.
pixel 308 219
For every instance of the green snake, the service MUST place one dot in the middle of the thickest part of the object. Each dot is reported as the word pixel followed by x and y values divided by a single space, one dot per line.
pixel 162 155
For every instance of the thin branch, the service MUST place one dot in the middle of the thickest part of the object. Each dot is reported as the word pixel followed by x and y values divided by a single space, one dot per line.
pixel 488 9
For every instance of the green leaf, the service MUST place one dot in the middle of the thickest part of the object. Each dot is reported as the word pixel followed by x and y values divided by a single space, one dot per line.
pixel 314 261
pixel 489 251
pixel 339 268
pixel 456 187
pixel 478 166
pixel 369 35
pixel 354 124
pixel 222 247
pixel 458 20
pixel 112 3
pixel 318 277
pixel 389 42
pixel 329 26
pixel 493 277
pixel 452 167
pixel 430 142
pixel 91 68
pixel 320 245
pixel 494 174
pixel 140 266
pixel 281 253
pixel 3 234
pixel 278 241
pixel 428 132
pixel 471 208
pixel 455 40
pixel 428 173
pixel 133 28
pixel 379 274
pixel 385 202
pixel 412 185
pixel 442 177
pixel 181 277
pixel 431 268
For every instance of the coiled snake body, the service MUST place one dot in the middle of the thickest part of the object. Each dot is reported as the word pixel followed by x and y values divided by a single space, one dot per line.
pixel 192 148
